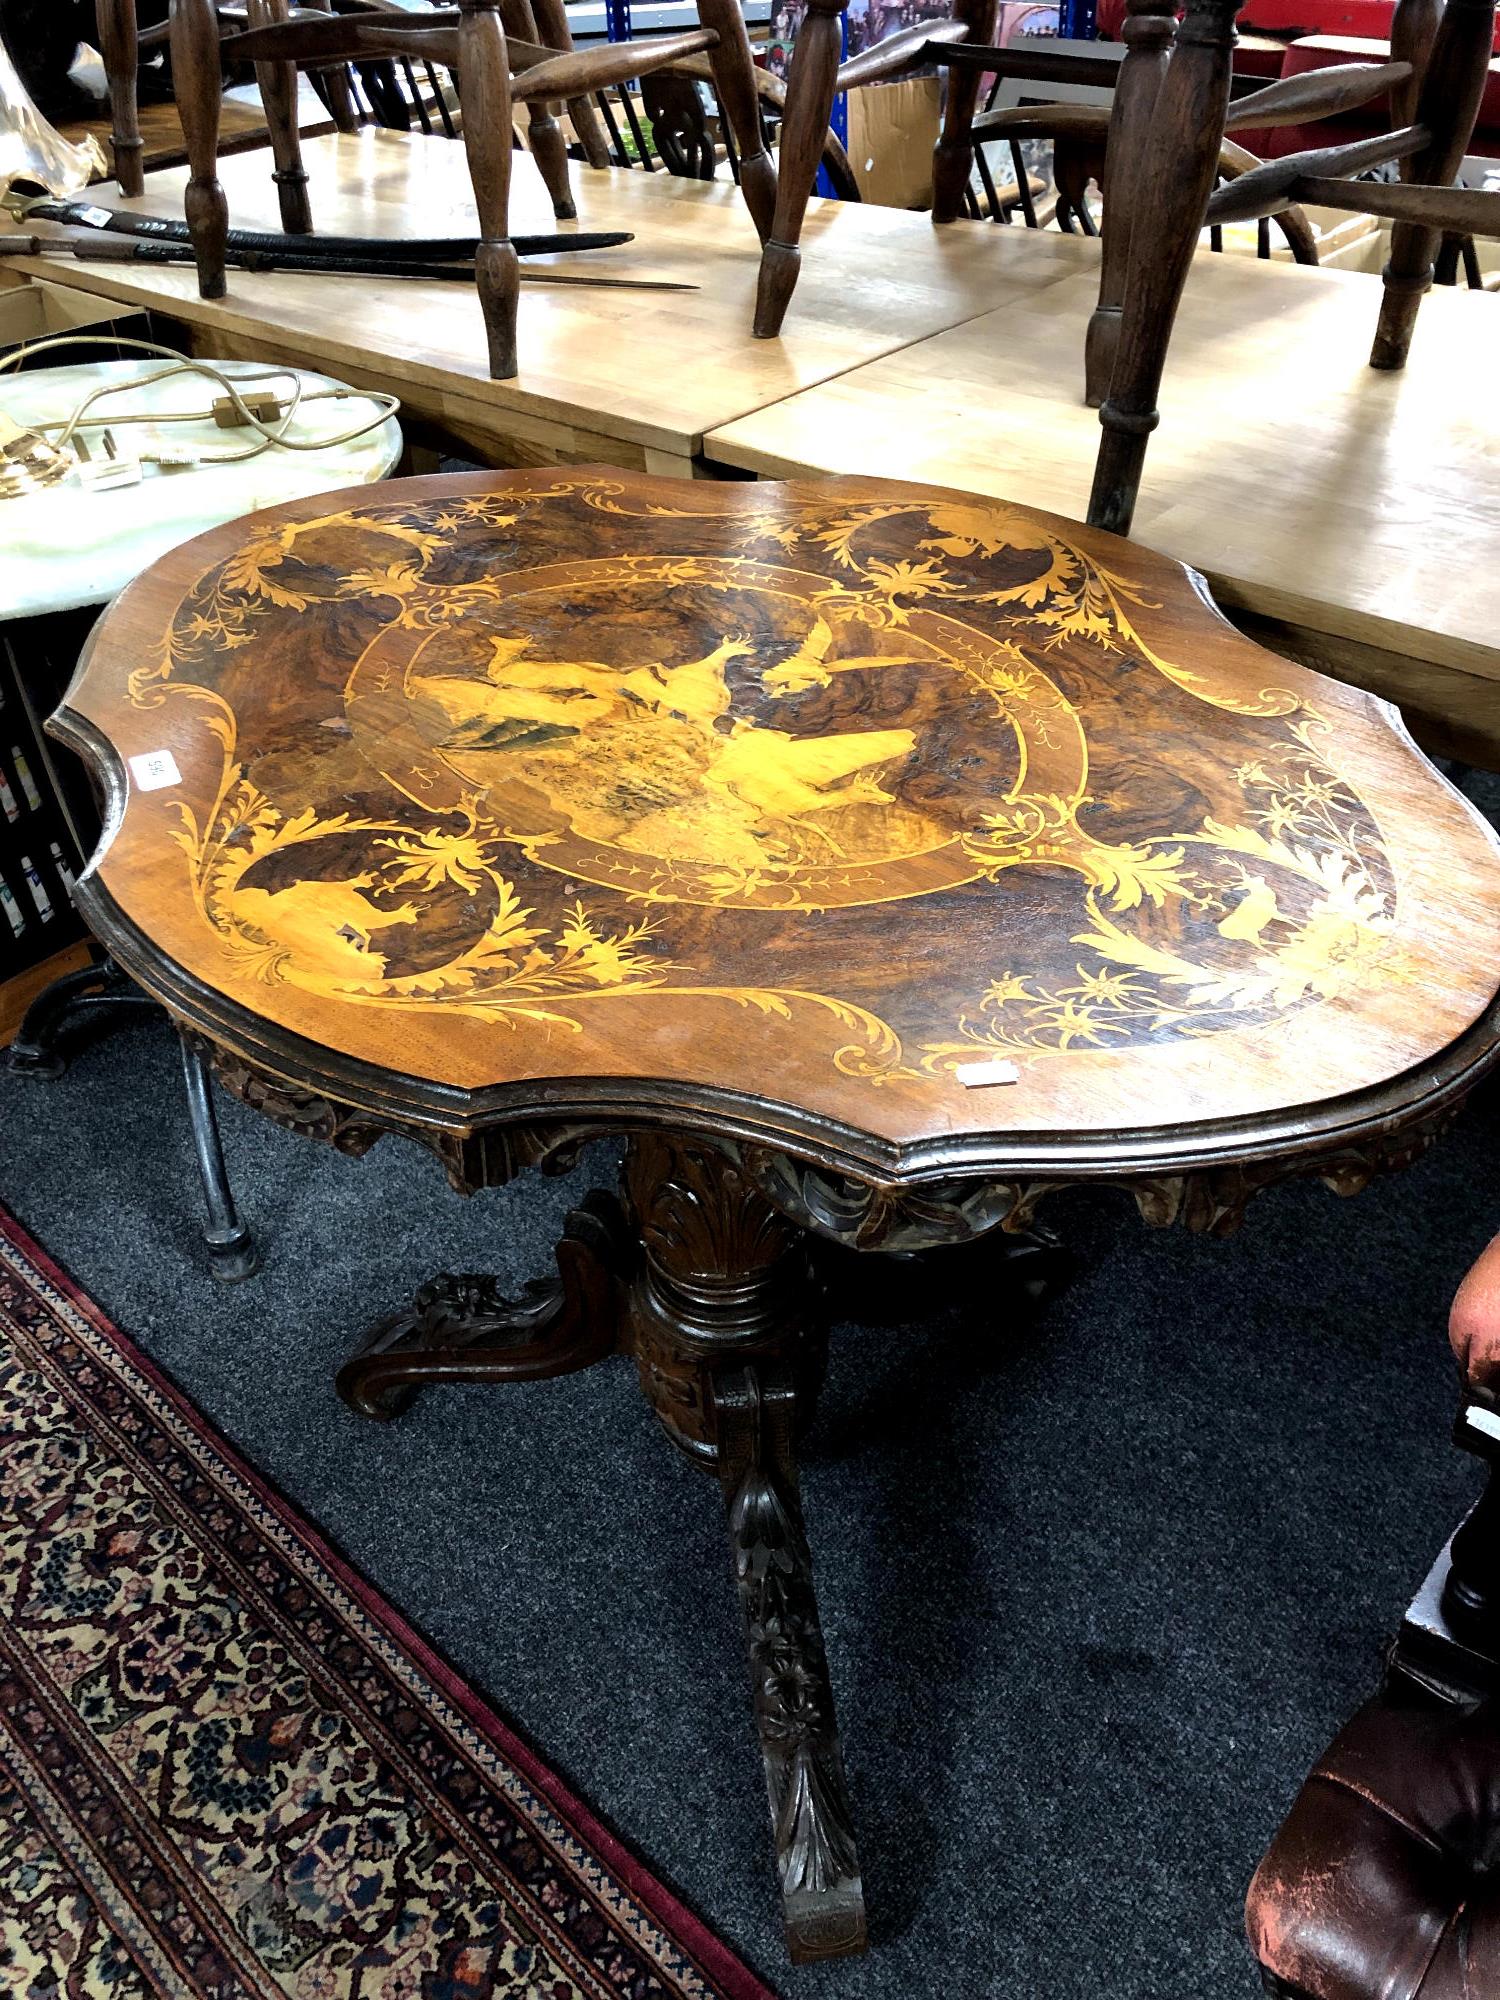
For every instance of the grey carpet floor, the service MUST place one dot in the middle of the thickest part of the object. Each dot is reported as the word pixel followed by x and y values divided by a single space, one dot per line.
pixel 1096 1591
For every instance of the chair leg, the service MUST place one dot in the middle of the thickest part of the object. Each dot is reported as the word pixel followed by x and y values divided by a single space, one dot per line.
pixel 1176 178
pixel 809 101
pixel 483 75
pixel 278 93
pixel 734 85
pixel 198 87
pixel 1149 26
pixel 552 21
pixel 231 1249
pixel 121 52
pixel 953 161
pixel 336 83
pixel 1447 105
pixel 542 129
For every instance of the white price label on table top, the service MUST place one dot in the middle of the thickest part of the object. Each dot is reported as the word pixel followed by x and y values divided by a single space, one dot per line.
pixel 154 770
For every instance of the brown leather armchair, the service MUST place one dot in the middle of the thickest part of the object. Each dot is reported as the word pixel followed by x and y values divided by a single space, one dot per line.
pixel 1383 1882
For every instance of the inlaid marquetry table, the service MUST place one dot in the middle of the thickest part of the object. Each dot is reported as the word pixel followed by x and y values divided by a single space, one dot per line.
pixel 875 859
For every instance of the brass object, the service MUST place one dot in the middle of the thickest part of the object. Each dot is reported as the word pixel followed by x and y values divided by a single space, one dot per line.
pixel 32 150
pixel 27 461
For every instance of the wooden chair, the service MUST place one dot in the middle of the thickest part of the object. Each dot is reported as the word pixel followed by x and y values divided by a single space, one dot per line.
pixel 122 44
pixel 497 56
pixel 1165 142
pixel 815 78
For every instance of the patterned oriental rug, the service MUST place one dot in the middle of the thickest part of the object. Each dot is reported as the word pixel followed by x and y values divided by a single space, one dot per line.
pixel 228 1770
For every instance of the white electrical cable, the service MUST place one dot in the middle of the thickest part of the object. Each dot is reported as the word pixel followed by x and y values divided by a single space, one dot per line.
pixel 270 434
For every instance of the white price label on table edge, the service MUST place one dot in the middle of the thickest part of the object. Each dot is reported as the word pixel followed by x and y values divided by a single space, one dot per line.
pixel 154 770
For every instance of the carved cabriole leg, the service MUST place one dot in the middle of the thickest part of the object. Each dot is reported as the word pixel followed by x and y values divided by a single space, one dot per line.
pixel 739 101
pixel 1177 175
pixel 809 101
pixel 954 158
pixel 121 52
pixel 548 148
pixel 483 75
pixel 198 88
pixel 552 22
pixel 1148 41
pixel 1447 105
pixel 461 1329
pixel 755 1410
pixel 278 93
pixel 730 1347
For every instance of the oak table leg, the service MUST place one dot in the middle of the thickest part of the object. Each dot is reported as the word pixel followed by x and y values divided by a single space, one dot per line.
pixel 121 51
pixel 809 101
pixel 199 89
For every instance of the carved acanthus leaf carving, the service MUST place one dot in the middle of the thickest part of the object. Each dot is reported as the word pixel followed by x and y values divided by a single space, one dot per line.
pixel 301 1111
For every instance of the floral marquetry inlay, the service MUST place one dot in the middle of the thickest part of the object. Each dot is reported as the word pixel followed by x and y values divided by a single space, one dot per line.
pixel 572 772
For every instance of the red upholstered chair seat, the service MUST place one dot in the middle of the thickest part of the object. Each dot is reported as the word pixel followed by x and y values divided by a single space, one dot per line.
pixel 1384 1880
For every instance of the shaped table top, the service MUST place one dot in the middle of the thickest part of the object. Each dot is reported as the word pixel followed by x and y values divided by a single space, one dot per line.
pixel 782 805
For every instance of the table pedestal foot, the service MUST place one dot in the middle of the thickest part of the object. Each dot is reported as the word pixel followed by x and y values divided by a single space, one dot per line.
pixel 462 1329
pixel 38 1047
pixel 816 1856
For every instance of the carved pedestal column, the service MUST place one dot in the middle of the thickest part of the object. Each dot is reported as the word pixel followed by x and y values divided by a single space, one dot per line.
pixel 722 1318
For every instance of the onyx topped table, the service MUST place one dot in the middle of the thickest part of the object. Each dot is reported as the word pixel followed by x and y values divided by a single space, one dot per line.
pixel 66 549
pixel 876 859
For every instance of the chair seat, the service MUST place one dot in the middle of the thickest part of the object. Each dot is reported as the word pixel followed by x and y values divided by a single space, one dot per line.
pixel 1383 1882
pixel 866 810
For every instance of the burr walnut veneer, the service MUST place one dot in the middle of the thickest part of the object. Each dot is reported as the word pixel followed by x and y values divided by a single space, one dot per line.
pixel 876 859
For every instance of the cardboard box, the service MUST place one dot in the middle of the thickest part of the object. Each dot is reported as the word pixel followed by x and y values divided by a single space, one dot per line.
pixel 30 309
pixel 893 128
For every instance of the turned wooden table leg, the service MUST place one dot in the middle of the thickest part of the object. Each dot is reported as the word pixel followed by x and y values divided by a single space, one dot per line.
pixel 953 161
pixel 1148 29
pixel 278 93
pixel 1447 104
pixel 483 75
pixel 733 68
pixel 809 101
pixel 121 51
pixel 728 1338
pixel 198 87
